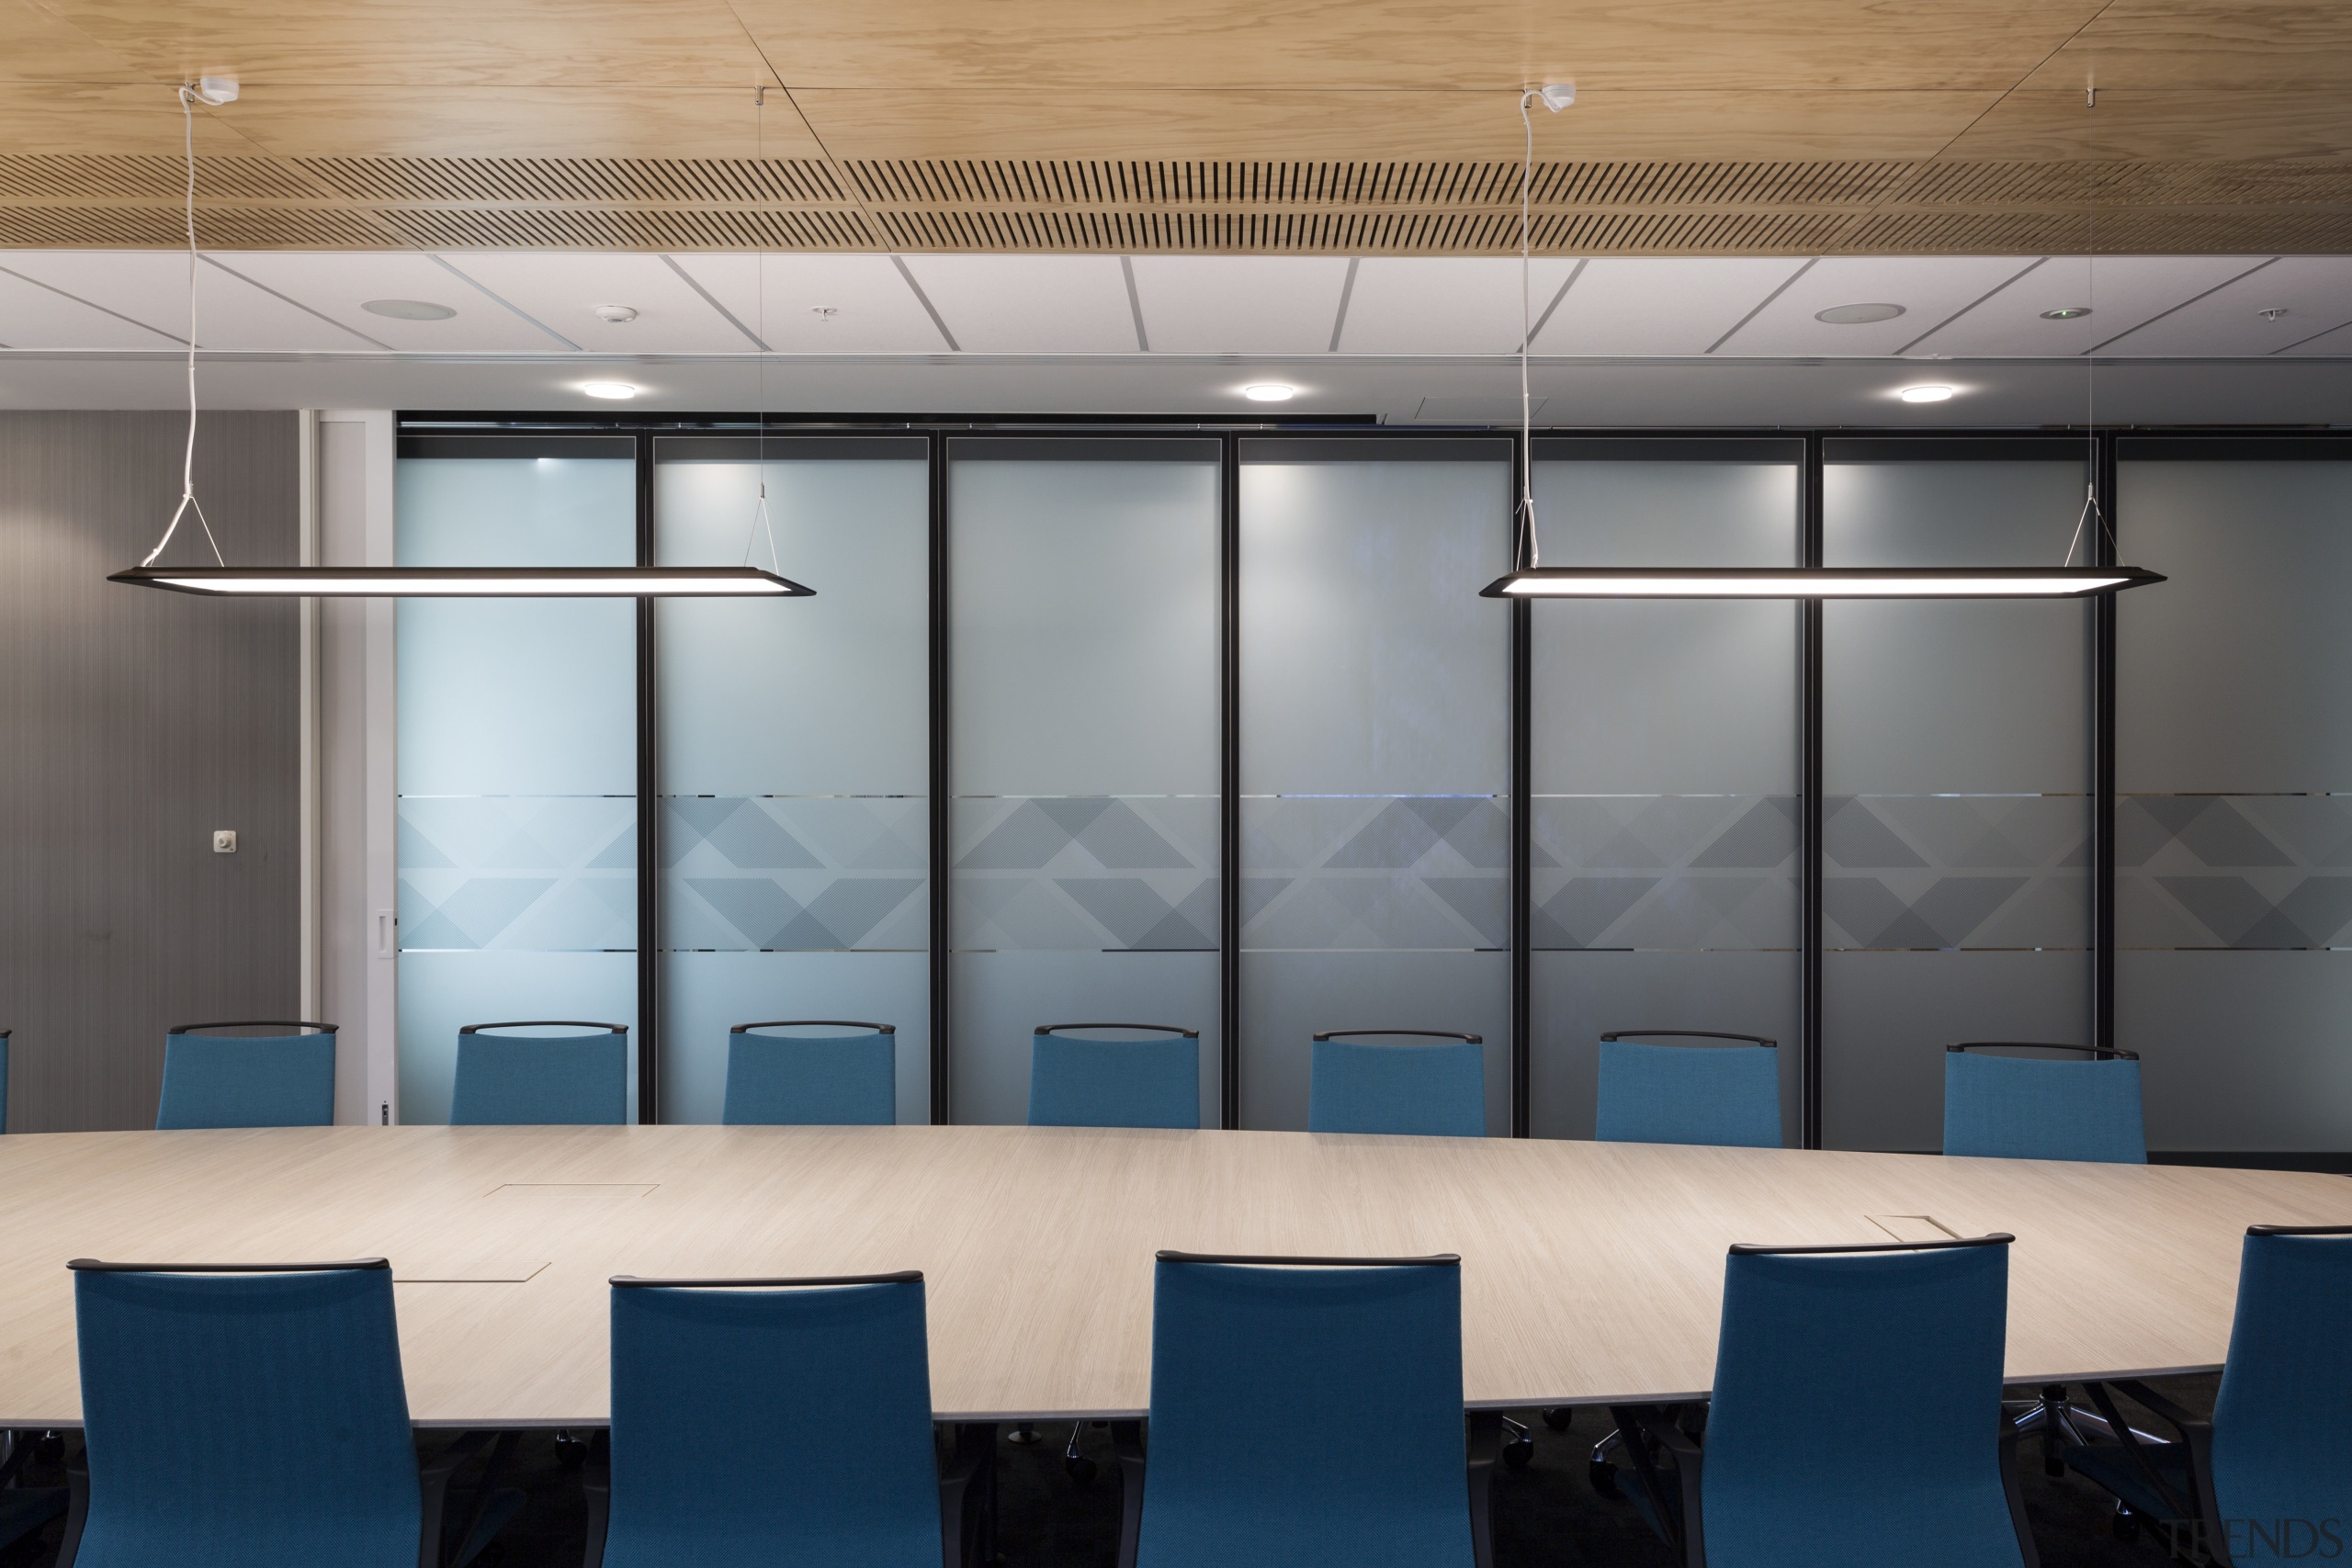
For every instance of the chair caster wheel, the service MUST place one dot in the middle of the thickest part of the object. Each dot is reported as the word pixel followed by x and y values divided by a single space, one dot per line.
pixel 1022 1436
pixel 1603 1476
pixel 1559 1417
pixel 1518 1452
pixel 1081 1471
pixel 569 1451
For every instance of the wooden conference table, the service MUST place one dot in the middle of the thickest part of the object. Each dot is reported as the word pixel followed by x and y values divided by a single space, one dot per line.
pixel 1590 1272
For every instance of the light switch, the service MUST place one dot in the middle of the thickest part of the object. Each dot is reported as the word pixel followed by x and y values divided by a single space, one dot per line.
pixel 224 840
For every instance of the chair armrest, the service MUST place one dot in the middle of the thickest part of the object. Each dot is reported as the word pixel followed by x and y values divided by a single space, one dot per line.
pixel 1689 1459
pixel 596 1487
pixel 1127 1446
pixel 971 1453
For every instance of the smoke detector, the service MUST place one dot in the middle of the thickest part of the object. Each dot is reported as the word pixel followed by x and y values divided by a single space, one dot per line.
pixel 616 314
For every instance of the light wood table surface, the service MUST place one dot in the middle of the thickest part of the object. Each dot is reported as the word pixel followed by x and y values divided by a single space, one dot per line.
pixel 1590 1272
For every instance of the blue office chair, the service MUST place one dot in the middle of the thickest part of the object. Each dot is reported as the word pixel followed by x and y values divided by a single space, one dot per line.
pixel 1439 1090
pixel 254 1413
pixel 2027 1108
pixel 2276 1455
pixel 1812 1335
pixel 730 1399
pixel 1238 1347
pixel 247 1080
pixel 1078 1081
pixel 541 1080
pixel 1726 1095
pixel 840 1079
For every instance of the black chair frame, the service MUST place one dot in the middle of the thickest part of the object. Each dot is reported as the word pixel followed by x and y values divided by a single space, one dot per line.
pixel 814 1023
pixel 2093 1052
pixel 437 1543
pixel 252 1023
pixel 1149 1028
pixel 1671 1436
pixel 546 1024
pixel 1420 1033
pixel 1638 1034
pixel 1484 1429
pixel 966 1477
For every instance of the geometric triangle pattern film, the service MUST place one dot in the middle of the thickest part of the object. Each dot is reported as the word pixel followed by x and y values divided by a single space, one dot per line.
pixel 1969 872
pixel 1671 874
pixel 794 873
pixel 527 874
pixel 1086 874
pixel 1375 874
pixel 2232 870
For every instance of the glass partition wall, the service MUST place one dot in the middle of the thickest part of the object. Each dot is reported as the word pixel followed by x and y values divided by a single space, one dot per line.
pixel 1663 867
pixel 1216 732
pixel 517 751
pixel 1956 767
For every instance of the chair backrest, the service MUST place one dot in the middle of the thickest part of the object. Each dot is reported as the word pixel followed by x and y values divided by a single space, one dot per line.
pixel 532 1081
pixel 846 1078
pixel 244 1414
pixel 1811 1337
pixel 1439 1090
pixel 1079 1080
pixel 247 1080
pixel 1681 1094
pixel 750 1414
pixel 2282 1423
pixel 1368 1351
pixel 2043 1108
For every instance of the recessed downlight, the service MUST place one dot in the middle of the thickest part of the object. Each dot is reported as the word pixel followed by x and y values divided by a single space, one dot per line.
pixel 1270 393
pixel 408 309
pixel 2067 313
pixel 613 392
pixel 1857 315
pixel 1925 394
pixel 616 314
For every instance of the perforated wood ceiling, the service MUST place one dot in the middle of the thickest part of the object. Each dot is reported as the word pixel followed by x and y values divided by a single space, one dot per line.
pixel 1362 127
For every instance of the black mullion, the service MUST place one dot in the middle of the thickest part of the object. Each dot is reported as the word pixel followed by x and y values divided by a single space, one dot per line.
pixel 649 817
pixel 1809 807
pixel 942 956
pixel 1523 777
pixel 1229 784
pixel 2103 661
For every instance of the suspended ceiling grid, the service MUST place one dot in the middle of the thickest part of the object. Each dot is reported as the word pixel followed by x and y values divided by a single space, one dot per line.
pixel 1342 127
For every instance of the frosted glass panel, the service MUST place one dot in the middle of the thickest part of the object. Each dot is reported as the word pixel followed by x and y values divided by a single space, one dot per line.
pixel 1956 811
pixel 1663 871
pixel 1082 583
pixel 1376 765
pixel 794 754
pixel 517 748
pixel 2234 817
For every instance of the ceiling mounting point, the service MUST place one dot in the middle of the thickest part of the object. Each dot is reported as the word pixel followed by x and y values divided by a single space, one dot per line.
pixel 1555 96
pixel 215 91
pixel 2272 313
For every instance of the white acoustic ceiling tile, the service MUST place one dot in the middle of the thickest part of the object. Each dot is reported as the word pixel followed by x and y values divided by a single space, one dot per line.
pixel 150 287
pixel 2120 293
pixel 562 291
pixel 1927 289
pixel 1239 304
pixel 2334 343
pixel 2311 294
pixel 846 303
pixel 1658 306
pixel 337 284
pixel 1030 304
pixel 1444 304
pixel 34 317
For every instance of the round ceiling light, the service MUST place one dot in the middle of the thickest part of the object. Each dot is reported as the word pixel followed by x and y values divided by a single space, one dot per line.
pixel 1857 315
pixel 614 391
pixel 1925 394
pixel 2067 313
pixel 408 309
pixel 1268 392
pixel 616 314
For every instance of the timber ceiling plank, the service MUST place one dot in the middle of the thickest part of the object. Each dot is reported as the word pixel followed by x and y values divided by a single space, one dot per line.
pixel 37 47
pixel 2207 44
pixel 2188 124
pixel 516 122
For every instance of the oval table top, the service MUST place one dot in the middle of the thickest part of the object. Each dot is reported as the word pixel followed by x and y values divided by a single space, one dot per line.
pixel 1590 1272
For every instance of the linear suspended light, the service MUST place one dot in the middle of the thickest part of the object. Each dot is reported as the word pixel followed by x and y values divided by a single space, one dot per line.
pixel 469 582
pixel 1816 582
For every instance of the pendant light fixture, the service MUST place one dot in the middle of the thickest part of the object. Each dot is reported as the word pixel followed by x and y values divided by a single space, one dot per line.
pixel 223 581
pixel 1530 579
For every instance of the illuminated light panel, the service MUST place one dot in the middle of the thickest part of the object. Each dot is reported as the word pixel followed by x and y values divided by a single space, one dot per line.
pixel 469 582
pixel 1816 582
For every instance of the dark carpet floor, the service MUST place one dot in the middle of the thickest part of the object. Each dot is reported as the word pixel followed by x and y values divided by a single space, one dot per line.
pixel 1546 1516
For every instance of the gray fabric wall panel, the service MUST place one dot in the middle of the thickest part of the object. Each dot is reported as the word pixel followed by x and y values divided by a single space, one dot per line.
pixel 136 723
